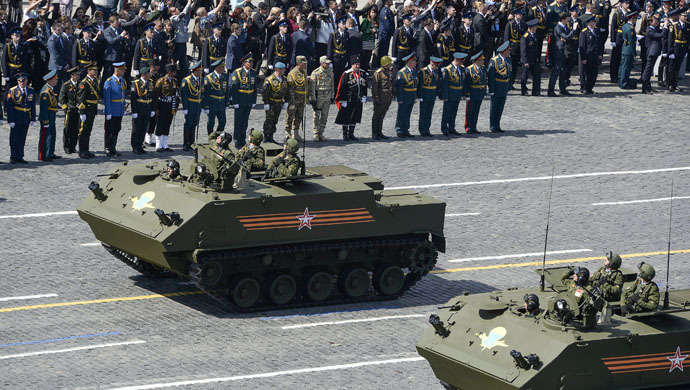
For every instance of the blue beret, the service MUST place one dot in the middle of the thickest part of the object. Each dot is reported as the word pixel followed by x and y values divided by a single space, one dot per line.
pixel 50 75
pixel 118 64
pixel 149 26
pixel 279 65
pixel 478 55
pixel 410 56
pixel 532 22
pixel 218 62
pixel 503 47
pixel 459 55
pixel 436 59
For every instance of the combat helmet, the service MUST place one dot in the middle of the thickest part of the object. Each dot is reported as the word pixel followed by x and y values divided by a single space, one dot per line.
pixel 647 272
pixel 256 137
pixel 175 167
pixel 292 145
pixel 532 302
pixel 225 139
pixel 582 275
pixel 614 260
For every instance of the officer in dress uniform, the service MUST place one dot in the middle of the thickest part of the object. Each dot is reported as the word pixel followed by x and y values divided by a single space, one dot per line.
pixel 428 91
pixel 321 93
pixel 663 14
pixel 297 98
pixel 165 102
pixel 678 36
pixel 452 92
pixel 529 57
pixel 15 58
pixel 68 102
pixel 350 99
pixel 280 47
pixel 85 50
pixel 513 33
pixel 243 92
pixel 571 47
pixel 465 39
pixel 214 48
pixel 156 74
pixel 403 43
pixel 46 115
pixel 274 95
pixel 382 93
pixel 337 50
pixel 589 54
pixel 628 52
pixel 406 95
pixel 88 93
pixel 144 49
pixel 191 93
pixel 20 106
pixel 445 44
pixel 498 77
pixel 475 90
pixel 617 23
pixel 602 12
pixel 141 100
pixel 216 96
pixel 114 100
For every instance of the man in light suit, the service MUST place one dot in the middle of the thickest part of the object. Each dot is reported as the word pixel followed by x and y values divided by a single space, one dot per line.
pixel 116 40
pixel 58 47
pixel 234 52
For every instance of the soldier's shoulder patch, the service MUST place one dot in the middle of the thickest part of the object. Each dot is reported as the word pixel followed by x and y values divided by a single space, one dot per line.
pixel 81 86
pixel 44 96
pixel 234 78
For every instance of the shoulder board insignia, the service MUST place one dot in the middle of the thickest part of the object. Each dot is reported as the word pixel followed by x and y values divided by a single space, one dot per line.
pixel 526 35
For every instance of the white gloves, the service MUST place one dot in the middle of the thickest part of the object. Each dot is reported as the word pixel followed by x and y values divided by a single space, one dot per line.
pixel 136 72
pixel 420 100
pixel 135 115
pixel 270 67
pixel 184 112
pixel 266 107
pixel 343 104
pixel 613 44
pixel 32 123
pixel 153 113
pixel 11 125
pixel 672 56
pixel 206 111
pixel 7 79
pixel 236 105
pixel 364 99
pixel 285 105
pixel 82 117
pixel 107 117
pixel 206 70
pixel 665 55
pixel 603 30
pixel 490 94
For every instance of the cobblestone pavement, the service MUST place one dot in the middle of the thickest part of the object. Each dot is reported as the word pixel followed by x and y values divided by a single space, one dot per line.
pixel 612 147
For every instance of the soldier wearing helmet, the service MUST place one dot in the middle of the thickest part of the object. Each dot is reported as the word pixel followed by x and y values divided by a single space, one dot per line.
pixel 609 279
pixel 531 305
pixel 172 171
pixel 253 154
pixel 286 163
pixel 577 279
pixel 200 175
pixel 643 296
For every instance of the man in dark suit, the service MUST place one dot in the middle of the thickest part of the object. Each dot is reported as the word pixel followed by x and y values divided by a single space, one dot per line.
pixel 425 44
pixel 563 36
pixel 115 50
pixel 529 57
pixel 589 54
pixel 354 42
pixel 234 52
pixel 303 44
pixel 59 50
pixel 482 37
pixel 653 42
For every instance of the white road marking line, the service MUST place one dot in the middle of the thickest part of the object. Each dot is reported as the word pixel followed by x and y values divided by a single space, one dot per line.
pixel 271 374
pixel 373 319
pixel 38 214
pixel 639 201
pixel 28 297
pixel 88 347
pixel 91 244
pixel 461 214
pixel 572 176
pixel 517 255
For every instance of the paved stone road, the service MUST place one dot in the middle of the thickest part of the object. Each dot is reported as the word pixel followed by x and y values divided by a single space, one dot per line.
pixel 635 144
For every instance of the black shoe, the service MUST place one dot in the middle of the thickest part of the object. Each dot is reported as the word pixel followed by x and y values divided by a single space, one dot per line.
pixel 382 136
pixel 352 137
pixel 84 155
pixel 167 149
pixel 375 137
pixel 427 135
pixel 552 94
pixel 565 93
pixel 662 84
pixel 117 153
pixel 91 155
pixel 524 94
pixel 497 131
pixel 453 132
pixel 408 135
pixel 472 132
pixel 14 161
pixel 403 136
pixel 445 133
pixel 68 151
pixel 186 148
pixel 47 159
pixel 54 157
pixel 109 153
pixel 137 151
pixel 589 92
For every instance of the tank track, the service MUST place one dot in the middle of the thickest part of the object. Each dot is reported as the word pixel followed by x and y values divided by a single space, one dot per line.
pixel 300 301
pixel 146 269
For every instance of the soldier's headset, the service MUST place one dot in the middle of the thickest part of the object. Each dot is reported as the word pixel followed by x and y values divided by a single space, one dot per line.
pixel 532 302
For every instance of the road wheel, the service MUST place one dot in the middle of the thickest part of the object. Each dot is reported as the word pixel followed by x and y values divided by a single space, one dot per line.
pixel 319 286
pixel 354 282
pixel 389 279
pixel 245 292
pixel 282 289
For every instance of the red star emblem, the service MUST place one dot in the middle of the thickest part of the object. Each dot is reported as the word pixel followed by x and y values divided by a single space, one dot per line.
pixel 305 220
pixel 676 360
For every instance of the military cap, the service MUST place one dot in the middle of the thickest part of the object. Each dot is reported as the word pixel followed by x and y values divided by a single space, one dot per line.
pixel 446 26
pixel 144 70
pixel 218 25
pixel 624 1
pixel 354 59
pixel 590 19
pixel 72 70
pixel 342 19
pixel 263 5
pixel 409 57
pixel 50 75
pixel 118 64
pixel 195 66
pixel 667 1
pixel 459 55
pixel 436 60
pixel 516 11
pixel 292 145
pixel 279 65
pixel 575 8
pixel 532 3
pixel 468 15
pixel 170 68
pixel 247 57
pixel 478 55
pixel 385 60
pixel 300 60
pixel 87 28
pixel 21 76
pixel 532 22
pixel 503 47
pixel 149 26
pixel 283 23
pixel 92 66
pixel 218 62
pixel 632 14
pixel 675 11
pixel 16 30
pixel 407 17
pixel 324 60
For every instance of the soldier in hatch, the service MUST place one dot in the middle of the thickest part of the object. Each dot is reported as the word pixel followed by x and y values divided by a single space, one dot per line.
pixel 253 154
pixel 643 296
pixel 286 163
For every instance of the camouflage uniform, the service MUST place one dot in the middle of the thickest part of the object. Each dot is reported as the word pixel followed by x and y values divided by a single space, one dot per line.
pixel 321 93
pixel 255 161
pixel 297 90
pixel 582 299
pixel 609 281
pixel 274 94
pixel 288 164
pixel 647 296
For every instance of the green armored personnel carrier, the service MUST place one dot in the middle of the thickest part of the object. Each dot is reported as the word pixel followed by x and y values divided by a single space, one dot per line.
pixel 488 341
pixel 332 235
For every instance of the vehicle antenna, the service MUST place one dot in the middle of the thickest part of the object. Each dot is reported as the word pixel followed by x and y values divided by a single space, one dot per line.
pixel 668 252
pixel 546 237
